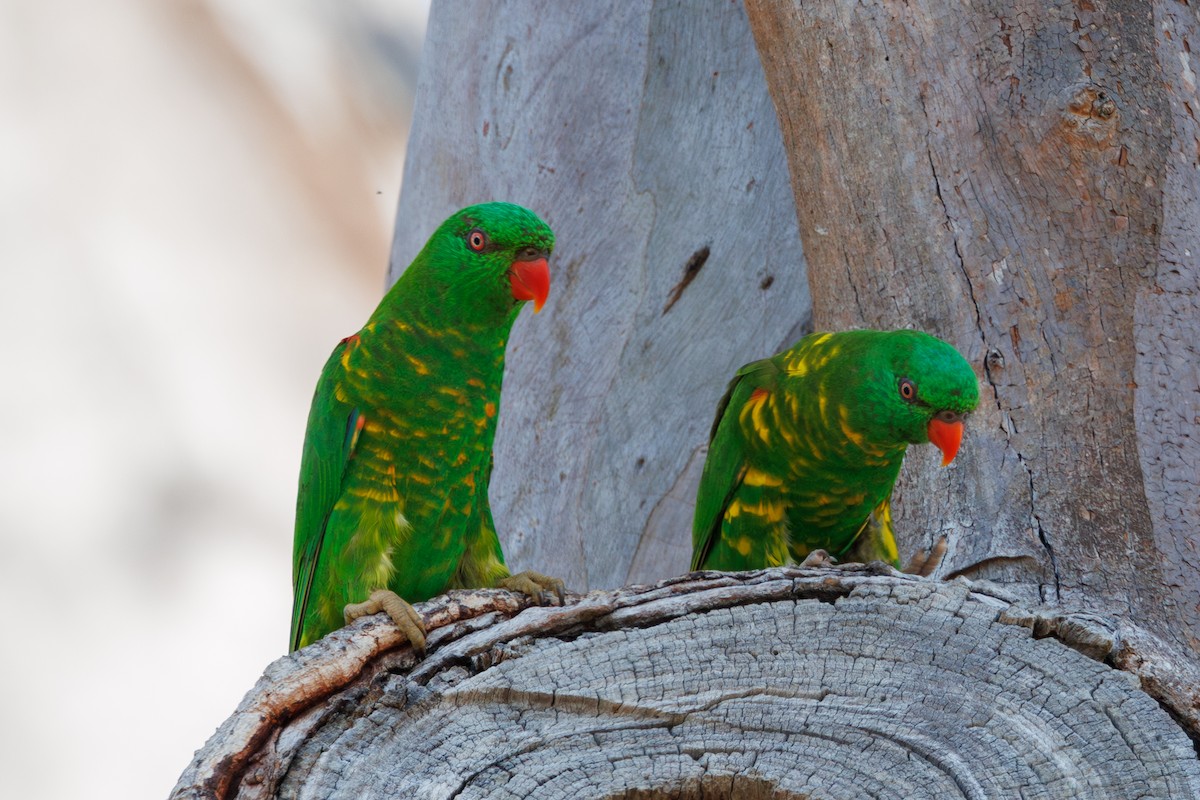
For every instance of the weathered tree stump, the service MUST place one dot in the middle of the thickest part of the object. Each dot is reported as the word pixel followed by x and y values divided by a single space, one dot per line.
pixel 813 683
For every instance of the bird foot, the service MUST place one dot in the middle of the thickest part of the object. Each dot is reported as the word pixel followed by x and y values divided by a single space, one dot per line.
pixel 924 563
pixel 818 558
pixel 534 584
pixel 403 615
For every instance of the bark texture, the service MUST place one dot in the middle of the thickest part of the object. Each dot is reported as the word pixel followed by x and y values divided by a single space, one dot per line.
pixel 1021 179
pixel 644 134
pixel 783 683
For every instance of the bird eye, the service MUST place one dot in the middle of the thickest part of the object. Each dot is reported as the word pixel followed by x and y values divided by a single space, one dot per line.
pixel 908 389
pixel 477 240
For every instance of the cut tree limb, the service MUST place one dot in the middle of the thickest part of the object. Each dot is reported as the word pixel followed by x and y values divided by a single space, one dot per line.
pixel 845 682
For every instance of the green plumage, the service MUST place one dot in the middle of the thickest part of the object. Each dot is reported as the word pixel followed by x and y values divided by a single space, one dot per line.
pixel 397 456
pixel 807 444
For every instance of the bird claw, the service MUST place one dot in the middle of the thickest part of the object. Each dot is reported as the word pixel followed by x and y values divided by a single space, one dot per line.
pixel 924 563
pixel 818 558
pixel 402 614
pixel 534 584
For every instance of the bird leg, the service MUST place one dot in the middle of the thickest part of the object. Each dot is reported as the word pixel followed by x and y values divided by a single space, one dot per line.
pixel 533 584
pixel 403 615
pixel 818 558
pixel 924 563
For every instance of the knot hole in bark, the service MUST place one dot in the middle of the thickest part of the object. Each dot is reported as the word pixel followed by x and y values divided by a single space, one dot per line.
pixel 1091 118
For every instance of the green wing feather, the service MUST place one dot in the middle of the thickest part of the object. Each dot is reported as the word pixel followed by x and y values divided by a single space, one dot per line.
pixel 877 540
pixel 483 560
pixel 333 427
pixel 725 466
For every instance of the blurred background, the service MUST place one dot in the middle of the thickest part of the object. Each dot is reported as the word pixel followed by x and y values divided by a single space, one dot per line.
pixel 196 203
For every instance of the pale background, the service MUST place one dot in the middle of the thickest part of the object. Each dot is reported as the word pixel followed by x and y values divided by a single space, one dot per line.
pixel 197 201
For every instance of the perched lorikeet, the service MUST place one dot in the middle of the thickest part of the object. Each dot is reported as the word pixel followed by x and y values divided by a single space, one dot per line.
pixel 394 474
pixel 807 445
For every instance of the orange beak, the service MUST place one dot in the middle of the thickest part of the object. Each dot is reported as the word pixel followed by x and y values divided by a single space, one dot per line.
pixel 946 436
pixel 530 281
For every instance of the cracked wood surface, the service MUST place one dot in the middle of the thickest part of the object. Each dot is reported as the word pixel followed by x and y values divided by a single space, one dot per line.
pixel 814 683
pixel 1021 179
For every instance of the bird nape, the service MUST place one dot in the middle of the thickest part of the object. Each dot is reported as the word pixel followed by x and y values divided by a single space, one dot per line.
pixel 393 504
pixel 807 444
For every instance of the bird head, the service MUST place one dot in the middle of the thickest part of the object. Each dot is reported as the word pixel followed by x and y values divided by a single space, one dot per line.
pixel 921 390
pixel 486 260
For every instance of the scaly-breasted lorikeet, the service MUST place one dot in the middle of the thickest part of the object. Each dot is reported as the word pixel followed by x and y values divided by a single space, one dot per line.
pixel 807 444
pixel 394 474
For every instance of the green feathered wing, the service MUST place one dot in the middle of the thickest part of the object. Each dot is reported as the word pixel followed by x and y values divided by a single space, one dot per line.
pixel 333 431
pixel 725 466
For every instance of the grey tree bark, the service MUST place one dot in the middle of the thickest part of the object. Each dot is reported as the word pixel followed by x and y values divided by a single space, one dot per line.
pixel 644 134
pixel 1020 179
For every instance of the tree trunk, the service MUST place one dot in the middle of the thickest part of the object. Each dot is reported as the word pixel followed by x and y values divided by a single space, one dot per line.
pixel 803 683
pixel 644 134
pixel 1021 180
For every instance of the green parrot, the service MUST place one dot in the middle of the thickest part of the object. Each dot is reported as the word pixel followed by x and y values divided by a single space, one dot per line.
pixel 393 499
pixel 807 444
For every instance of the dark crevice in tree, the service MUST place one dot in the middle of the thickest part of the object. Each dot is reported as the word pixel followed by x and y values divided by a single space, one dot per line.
pixel 988 363
pixel 853 285
pixel 1042 535
pixel 690 270
pixel 961 264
